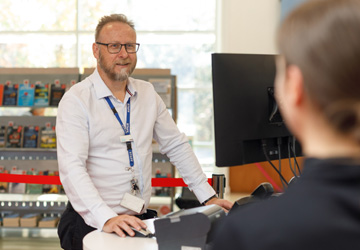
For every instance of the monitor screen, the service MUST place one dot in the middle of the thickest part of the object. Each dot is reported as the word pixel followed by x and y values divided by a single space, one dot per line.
pixel 246 117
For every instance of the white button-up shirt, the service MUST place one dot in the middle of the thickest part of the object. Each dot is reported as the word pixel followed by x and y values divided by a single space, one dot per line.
pixel 92 159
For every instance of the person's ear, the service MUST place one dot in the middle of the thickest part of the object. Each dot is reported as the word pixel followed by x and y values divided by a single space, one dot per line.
pixel 295 85
pixel 96 51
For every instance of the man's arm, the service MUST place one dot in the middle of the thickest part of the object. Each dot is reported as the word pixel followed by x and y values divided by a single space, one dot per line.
pixel 176 146
pixel 122 223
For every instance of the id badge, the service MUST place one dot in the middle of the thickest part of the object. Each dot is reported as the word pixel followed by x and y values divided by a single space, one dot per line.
pixel 133 203
pixel 126 138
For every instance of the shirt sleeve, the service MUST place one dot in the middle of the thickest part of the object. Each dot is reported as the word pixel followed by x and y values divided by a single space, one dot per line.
pixel 72 153
pixel 176 146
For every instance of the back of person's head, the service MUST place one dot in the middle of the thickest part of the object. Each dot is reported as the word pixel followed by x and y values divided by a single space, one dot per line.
pixel 112 18
pixel 322 37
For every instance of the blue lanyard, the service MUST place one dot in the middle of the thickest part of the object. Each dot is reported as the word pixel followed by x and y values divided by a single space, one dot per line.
pixel 125 128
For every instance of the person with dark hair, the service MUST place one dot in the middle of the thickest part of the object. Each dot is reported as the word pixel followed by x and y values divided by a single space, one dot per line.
pixel 104 157
pixel 317 89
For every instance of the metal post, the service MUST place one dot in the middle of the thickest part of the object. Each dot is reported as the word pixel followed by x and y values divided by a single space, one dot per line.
pixel 218 184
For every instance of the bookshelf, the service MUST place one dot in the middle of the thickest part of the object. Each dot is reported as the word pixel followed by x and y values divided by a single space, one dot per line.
pixel 45 159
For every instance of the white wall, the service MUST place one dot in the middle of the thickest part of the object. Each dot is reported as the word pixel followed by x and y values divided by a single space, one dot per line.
pixel 248 26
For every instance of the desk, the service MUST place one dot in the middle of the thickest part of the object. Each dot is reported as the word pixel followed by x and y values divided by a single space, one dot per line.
pixel 96 240
pixel 99 240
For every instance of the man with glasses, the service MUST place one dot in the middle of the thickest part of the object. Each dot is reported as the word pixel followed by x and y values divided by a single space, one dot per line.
pixel 105 126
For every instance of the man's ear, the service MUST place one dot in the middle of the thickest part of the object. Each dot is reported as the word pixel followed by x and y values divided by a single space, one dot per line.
pixel 95 49
pixel 295 85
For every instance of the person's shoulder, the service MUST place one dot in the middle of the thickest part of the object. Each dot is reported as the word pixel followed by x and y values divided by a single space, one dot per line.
pixel 81 86
pixel 258 211
pixel 80 89
pixel 78 93
pixel 139 82
pixel 142 87
pixel 276 212
pixel 264 219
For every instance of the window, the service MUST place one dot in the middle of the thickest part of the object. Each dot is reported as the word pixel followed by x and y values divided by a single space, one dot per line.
pixel 178 34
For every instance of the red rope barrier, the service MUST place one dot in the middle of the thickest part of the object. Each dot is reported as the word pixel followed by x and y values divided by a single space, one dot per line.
pixel 55 180
pixel 33 179
pixel 170 182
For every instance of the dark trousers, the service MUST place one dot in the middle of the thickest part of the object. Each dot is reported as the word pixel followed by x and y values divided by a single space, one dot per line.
pixel 72 227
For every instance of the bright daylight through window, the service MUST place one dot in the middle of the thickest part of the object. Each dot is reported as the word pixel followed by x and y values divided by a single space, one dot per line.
pixel 179 35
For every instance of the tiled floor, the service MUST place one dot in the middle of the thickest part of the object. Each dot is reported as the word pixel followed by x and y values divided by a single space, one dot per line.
pixel 27 239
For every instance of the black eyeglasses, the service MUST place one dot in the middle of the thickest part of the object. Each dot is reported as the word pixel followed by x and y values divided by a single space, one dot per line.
pixel 114 48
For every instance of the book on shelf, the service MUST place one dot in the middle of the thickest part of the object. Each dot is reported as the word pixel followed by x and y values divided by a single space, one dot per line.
pixel 32 188
pixel 10 94
pixel 13 136
pixel 57 91
pixel 3 185
pixel 48 222
pixel 47 136
pixel 29 220
pixel 11 220
pixel 50 188
pixel 30 137
pixel 26 93
pixel 2 136
pixel 46 187
pixel 41 98
pixel 17 188
pixel 1 93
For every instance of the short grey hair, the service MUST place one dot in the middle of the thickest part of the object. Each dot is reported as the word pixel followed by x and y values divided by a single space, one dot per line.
pixel 121 18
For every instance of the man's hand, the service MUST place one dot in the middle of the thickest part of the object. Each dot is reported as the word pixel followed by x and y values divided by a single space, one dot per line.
pixel 122 223
pixel 225 204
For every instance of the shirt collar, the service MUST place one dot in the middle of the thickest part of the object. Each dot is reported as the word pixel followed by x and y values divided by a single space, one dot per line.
pixel 101 90
pixel 130 87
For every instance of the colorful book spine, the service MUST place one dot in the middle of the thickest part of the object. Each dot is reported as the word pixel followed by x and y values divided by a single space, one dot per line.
pixel 13 136
pixel 2 136
pixel 30 137
pixel 41 94
pixel 17 188
pixel 33 188
pixel 1 93
pixel 26 93
pixel 57 91
pixel 3 185
pixel 48 137
pixel 10 94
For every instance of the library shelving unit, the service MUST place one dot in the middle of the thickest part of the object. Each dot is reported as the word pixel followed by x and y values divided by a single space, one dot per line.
pixel 45 159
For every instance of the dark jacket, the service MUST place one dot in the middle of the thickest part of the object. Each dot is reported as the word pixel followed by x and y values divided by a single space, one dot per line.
pixel 320 211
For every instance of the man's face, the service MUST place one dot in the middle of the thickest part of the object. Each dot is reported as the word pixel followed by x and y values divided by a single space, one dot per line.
pixel 117 67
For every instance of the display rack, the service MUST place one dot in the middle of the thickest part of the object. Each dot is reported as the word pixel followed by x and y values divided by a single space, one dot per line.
pixel 36 203
pixel 46 159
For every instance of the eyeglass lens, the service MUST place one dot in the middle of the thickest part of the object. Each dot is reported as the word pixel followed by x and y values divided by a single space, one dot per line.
pixel 129 47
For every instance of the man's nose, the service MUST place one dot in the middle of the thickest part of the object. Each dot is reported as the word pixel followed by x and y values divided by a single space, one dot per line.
pixel 123 53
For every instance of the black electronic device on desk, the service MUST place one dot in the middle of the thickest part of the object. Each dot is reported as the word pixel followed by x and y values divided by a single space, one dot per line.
pixel 187 228
pixel 263 192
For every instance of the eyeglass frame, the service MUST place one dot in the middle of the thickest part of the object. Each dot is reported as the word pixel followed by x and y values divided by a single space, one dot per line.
pixel 121 45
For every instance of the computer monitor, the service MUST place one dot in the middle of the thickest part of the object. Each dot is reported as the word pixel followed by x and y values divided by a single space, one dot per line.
pixel 248 126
